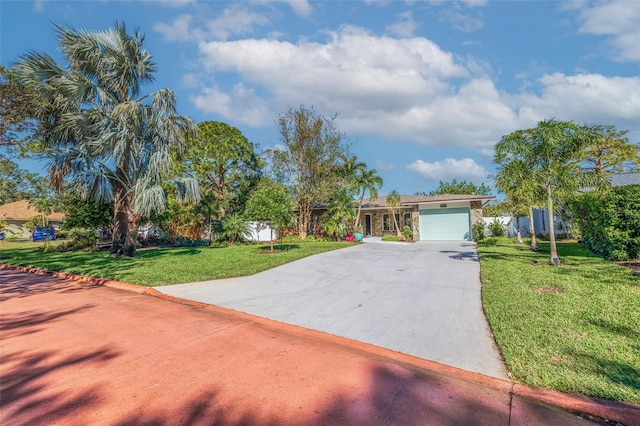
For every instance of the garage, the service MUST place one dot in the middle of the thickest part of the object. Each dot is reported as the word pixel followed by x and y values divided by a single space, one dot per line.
pixel 445 224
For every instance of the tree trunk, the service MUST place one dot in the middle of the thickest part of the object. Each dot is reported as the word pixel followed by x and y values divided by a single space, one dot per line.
pixel 359 209
pixel 303 221
pixel 532 231
pixel 518 234
pixel 122 243
pixel 553 258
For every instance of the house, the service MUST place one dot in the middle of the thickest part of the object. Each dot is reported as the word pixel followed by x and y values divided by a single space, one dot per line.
pixel 17 213
pixel 431 218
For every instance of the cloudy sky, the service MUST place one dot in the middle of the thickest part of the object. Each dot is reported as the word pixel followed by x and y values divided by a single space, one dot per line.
pixel 422 89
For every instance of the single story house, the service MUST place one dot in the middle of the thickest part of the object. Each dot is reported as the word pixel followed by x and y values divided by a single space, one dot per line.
pixel 431 218
pixel 17 213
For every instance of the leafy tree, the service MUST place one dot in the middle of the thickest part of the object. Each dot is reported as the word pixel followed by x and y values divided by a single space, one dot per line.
pixel 609 151
pixel 270 202
pixel 310 163
pixel 81 213
pixel 462 187
pixel 339 219
pixel 393 201
pixel 224 162
pixel 19 184
pixel 550 153
pixel 19 104
pixel 106 140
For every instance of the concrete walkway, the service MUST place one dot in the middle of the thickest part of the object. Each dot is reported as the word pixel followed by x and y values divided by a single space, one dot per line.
pixel 73 353
pixel 421 299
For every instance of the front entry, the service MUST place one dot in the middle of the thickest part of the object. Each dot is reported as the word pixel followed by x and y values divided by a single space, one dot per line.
pixel 367 225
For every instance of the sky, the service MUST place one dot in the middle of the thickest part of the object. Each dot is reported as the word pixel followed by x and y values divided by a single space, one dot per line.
pixel 422 90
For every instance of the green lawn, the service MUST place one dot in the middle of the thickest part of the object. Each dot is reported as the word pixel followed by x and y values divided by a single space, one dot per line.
pixel 162 266
pixel 574 328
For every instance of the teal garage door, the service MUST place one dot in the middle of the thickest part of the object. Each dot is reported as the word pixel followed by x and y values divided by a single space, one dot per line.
pixel 445 224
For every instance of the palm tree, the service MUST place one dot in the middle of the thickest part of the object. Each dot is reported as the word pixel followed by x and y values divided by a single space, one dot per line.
pixel 393 201
pixel 109 142
pixel 550 152
pixel 42 206
pixel 370 181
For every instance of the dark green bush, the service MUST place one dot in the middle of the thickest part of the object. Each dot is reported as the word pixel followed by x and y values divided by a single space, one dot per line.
pixel 610 224
pixel 478 231
pixel 497 229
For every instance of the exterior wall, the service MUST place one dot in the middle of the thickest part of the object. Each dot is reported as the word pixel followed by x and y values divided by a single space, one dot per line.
pixel 475 212
pixel 377 228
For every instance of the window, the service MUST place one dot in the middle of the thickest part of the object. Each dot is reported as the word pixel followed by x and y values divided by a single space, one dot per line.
pixel 407 219
pixel 397 215
pixel 386 224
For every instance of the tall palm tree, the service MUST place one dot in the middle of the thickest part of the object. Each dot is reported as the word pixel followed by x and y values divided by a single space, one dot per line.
pixel 550 152
pixel 108 141
pixel 368 181
pixel 393 201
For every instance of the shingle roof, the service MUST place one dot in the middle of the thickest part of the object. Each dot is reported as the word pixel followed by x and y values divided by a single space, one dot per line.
pixel 381 201
pixel 21 210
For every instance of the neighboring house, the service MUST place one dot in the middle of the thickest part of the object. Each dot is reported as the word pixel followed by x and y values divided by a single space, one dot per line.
pixel 622 179
pixel 17 213
pixel 440 217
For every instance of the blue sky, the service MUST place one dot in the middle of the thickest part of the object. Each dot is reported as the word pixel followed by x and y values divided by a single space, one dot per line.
pixel 423 89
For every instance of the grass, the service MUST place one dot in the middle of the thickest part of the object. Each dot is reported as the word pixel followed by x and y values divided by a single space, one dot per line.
pixel 573 328
pixel 162 266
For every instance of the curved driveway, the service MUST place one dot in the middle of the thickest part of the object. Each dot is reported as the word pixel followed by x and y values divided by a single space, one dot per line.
pixel 421 299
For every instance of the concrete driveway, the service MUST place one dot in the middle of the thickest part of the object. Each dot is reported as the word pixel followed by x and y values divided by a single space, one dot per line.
pixel 421 299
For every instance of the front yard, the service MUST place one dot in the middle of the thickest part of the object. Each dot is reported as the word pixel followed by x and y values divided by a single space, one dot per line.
pixel 162 266
pixel 573 328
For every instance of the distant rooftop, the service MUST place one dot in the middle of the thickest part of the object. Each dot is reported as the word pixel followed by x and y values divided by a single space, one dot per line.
pixel 621 179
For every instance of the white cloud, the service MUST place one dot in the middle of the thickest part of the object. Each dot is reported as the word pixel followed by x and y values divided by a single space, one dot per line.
pixel 301 7
pixel 404 26
pixel 448 169
pixel 584 98
pixel 239 106
pixel 177 30
pixel 618 19
pixel 38 5
pixel 175 4
pixel 236 19
pixel 384 165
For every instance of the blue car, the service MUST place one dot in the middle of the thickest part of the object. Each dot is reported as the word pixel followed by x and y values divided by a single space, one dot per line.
pixel 43 233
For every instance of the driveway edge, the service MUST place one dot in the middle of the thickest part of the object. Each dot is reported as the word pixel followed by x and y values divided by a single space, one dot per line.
pixel 624 413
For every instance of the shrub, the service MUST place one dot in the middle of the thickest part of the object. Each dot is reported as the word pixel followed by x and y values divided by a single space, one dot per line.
pixel 79 239
pixel 610 224
pixel 390 237
pixel 497 229
pixel 478 231
pixel 406 231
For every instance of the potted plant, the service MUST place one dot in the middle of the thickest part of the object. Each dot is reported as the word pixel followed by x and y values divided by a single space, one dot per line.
pixel 358 234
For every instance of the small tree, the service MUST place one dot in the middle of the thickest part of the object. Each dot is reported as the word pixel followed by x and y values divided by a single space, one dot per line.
pixel 270 202
pixel 393 201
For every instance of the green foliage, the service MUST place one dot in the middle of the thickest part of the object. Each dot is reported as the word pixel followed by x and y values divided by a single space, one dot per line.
pixel 79 239
pixel 270 202
pixel 18 184
pixel 107 141
pixel 497 229
pixel 234 228
pixel 407 233
pixel 338 221
pixel 609 151
pixel 478 231
pixel 30 224
pixel 390 237
pixel 462 187
pixel 572 328
pixel 312 161
pixel 610 223
pixel 81 213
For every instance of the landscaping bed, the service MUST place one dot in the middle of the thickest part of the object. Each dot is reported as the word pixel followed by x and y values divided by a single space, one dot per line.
pixel 573 328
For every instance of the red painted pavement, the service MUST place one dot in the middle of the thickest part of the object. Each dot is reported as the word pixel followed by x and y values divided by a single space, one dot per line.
pixel 79 353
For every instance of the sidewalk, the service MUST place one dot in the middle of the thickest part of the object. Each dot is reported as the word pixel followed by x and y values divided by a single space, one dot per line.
pixel 73 353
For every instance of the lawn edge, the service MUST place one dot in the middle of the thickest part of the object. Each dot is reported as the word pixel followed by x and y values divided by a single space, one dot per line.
pixel 609 410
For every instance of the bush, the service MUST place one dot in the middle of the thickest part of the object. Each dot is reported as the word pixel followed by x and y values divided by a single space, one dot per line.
pixel 390 237
pixel 408 234
pixel 610 224
pixel 497 229
pixel 79 239
pixel 478 231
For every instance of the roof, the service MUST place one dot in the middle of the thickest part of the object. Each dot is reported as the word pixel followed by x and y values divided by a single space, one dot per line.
pixel 21 210
pixel 621 179
pixel 407 200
